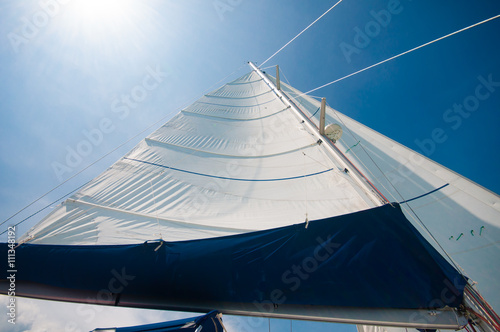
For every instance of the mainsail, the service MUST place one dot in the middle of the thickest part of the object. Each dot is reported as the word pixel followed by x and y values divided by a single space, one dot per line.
pixel 239 204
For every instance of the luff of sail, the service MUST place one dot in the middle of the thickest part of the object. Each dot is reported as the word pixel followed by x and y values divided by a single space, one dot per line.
pixel 234 162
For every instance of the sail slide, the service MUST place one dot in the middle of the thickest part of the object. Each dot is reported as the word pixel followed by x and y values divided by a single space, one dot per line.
pixel 238 204
pixel 369 260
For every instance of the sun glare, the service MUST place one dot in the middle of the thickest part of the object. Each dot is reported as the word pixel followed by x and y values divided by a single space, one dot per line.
pixel 108 28
pixel 99 16
pixel 95 33
pixel 101 9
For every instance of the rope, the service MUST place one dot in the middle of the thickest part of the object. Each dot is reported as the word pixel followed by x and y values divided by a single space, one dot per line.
pixel 457 266
pixel 57 200
pixel 369 156
pixel 282 72
pixel 400 54
pixel 491 318
pixel 352 147
pixel 291 40
pixel 78 173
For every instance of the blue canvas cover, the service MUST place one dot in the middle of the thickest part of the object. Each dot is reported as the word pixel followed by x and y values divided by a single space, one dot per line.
pixel 208 323
pixel 369 259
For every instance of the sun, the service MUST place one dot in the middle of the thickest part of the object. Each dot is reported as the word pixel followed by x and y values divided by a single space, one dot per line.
pixel 105 27
pixel 103 16
pixel 96 10
pixel 96 34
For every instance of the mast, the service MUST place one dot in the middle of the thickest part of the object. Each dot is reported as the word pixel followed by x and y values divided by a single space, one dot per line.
pixel 375 196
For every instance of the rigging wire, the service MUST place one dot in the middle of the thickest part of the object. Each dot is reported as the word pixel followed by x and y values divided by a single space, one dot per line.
pixel 413 213
pixel 273 66
pixel 369 156
pixel 284 76
pixel 401 54
pixel 379 63
pixel 81 171
pixel 57 200
pixel 291 40
pixel 373 188
pixel 457 266
pixel 396 190
pixel 169 114
pixel 481 303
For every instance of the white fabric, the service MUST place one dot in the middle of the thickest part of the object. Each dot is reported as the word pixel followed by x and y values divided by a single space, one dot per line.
pixel 191 178
pixel 374 328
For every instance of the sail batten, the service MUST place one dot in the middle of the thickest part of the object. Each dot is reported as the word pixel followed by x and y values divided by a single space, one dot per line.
pixel 239 156
pixel 232 118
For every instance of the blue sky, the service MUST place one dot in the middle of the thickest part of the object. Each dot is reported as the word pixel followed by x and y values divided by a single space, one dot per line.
pixel 67 68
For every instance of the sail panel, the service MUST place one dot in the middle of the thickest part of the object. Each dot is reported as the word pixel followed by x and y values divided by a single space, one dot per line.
pixel 235 161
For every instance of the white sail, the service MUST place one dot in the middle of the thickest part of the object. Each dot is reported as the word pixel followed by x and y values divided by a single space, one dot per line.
pixel 236 160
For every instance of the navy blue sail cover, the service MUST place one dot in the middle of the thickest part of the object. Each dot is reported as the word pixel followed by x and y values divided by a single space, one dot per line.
pixel 372 259
pixel 208 323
